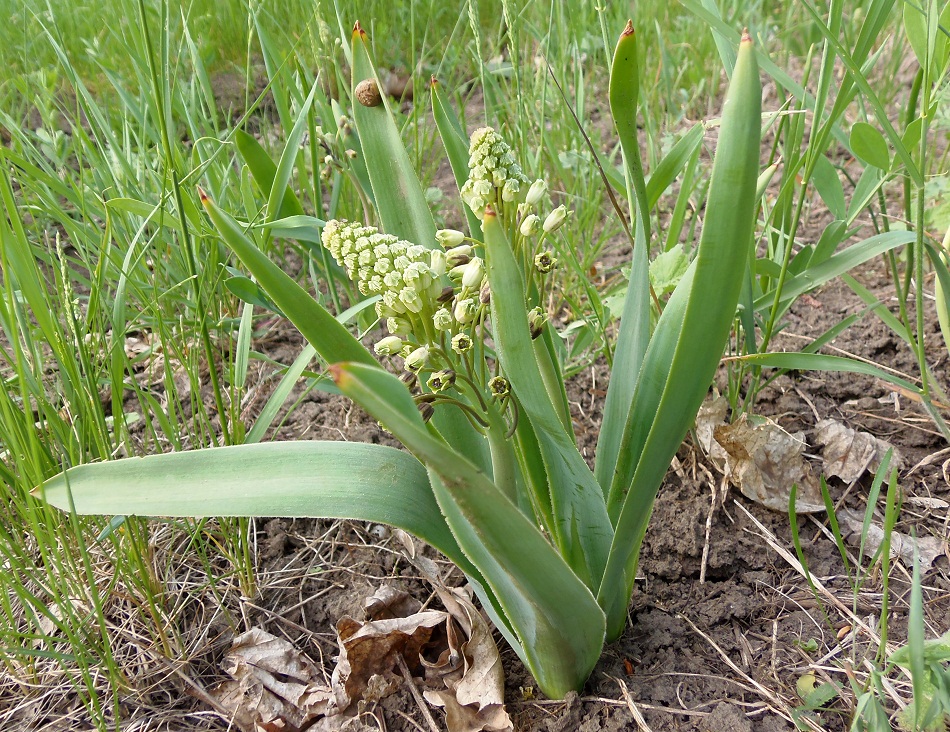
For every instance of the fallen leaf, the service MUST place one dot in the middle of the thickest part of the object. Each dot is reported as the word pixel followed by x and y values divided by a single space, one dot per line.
pixel 474 692
pixel 902 545
pixel 848 453
pixel 764 462
pixel 274 688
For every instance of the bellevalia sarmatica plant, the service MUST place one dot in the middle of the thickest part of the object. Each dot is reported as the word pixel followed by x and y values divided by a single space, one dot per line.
pixel 492 476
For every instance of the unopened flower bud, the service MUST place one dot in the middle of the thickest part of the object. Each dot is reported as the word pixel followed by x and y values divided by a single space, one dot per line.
pixel 449 238
pixel 499 387
pixel 446 295
pixel 535 192
pixel 465 310
pixel 544 261
pixel 461 254
pixel 555 219
pixel 442 319
pixel 530 225
pixel 441 380
pixel 536 320
pixel 417 359
pixel 388 346
pixel 474 271
pixel 437 262
pixel 409 379
pixel 426 411
pixel 461 343
pixel 398 326
pixel 484 294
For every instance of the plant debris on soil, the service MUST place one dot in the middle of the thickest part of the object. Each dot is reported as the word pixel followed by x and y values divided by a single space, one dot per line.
pixel 723 624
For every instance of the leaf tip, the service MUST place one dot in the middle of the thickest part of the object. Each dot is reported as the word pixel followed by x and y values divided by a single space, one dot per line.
pixel 490 215
pixel 746 37
pixel 203 196
pixel 338 373
pixel 628 29
pixel 433 82
pixel 358 31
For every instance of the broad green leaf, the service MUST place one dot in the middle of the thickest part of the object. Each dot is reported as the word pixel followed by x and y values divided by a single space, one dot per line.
pixel 713 283
pixel 582 530
pixel 539 595
pixel 332 341
pixel 250 292
pixel 317 479
pixel 299 227
pixel 400 200
pixel 828 184
pixel 557 622
pixel 632 343
pixel 456 146
pixel 926 38
pixel 673 163
pixel 264 171
pixel 821 362
pixel 667 269
pixel 288 158
pixel 836 265
pixel 870 146
pixel 624 95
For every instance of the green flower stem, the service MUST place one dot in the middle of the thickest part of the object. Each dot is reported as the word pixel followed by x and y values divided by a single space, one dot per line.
pixel 505 471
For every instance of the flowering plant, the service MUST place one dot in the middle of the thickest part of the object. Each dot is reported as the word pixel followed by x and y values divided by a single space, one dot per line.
pixel 492 477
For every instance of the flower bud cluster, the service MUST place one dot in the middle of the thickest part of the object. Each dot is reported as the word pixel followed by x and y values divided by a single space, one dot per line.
pixel 494 175
pixel 405 275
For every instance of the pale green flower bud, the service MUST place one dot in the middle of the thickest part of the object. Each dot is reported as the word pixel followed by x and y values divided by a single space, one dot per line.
pixel 530 225
pixel 554 220
pixel 536 320
pixel 437 260
pixel 474 271
pixel 388 346
pixel 398 326
pixel 461 343
pixel 449 238
pixel 410 298
pixel 458 255
pixel 442 319
pixel 455 274
pixel 384 311
pixel 465 310
pixel 536 192
pixel 417 359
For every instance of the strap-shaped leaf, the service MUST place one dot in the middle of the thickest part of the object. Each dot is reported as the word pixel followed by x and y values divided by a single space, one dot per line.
pixel 835 265
pixel 288 158
pixel 582 530
pixel 316 479
pixel 635 322
pixel 718 271
pixel 557 623
pixel 400 200
pixel 264 171
pixel 331 339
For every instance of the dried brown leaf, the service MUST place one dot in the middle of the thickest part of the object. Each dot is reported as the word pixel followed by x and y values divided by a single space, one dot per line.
pixel 764 462
pixel 902 545
pixel 274 686
pixel 848 453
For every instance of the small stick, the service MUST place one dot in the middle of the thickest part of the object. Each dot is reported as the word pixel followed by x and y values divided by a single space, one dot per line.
pixel 415 693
